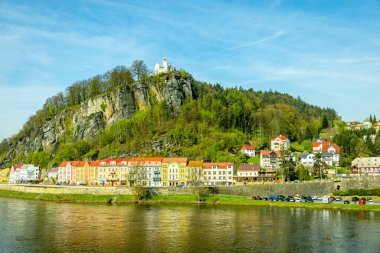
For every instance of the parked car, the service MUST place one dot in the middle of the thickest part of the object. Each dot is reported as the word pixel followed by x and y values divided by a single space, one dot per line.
pixel 346 202
pixel 338 199
pixel 355 199
pixel 289 199
pixel 309 199
pixel 326 199
pixel 362 201
pixel 370 201
pixel 265 198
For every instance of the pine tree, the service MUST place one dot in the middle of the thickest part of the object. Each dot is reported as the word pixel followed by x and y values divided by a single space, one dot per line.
pixel 370 118
pixel 374 119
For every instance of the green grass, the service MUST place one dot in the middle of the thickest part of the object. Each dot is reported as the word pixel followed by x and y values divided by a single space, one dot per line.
pixel 84 198
pixel 179 199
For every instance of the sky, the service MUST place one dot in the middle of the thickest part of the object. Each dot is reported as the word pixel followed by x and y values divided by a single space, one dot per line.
pixel 326 52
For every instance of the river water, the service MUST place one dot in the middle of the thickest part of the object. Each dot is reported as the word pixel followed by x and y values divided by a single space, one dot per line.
pixel 33 226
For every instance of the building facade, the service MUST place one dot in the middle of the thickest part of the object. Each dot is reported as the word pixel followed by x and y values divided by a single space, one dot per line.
pixel 279 143
pixel 218 173
pixel 174 171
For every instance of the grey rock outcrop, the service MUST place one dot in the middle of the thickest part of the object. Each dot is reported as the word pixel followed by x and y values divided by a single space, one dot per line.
pixel 88 119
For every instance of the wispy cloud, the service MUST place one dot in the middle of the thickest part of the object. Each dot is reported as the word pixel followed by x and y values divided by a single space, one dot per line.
pixel 255 42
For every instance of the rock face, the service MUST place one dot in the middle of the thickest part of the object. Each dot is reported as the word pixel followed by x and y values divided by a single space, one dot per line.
pixel 92 116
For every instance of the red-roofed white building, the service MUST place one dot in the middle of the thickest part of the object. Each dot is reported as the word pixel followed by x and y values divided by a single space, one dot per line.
pixel 218 173
pixel 279 143
pixel 326 147
pixel 248 150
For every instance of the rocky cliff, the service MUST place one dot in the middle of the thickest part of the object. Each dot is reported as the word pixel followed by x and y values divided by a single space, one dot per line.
pixel 92 116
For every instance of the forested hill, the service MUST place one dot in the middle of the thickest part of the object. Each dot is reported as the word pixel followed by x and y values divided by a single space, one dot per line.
pixel 127 112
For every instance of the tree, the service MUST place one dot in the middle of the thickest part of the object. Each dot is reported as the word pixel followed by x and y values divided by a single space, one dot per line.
pixel 137 180
pixel 198 182
pixel 325 122
pixel 302 172
pixel 288 166
pixel 139 69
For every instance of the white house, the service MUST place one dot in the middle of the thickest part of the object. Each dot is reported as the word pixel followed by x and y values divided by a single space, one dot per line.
pixel 279 143
pixel 326 147
pixel 32 172
pixel 248 150
pixel 166 67
pixel 23 173
pixel 218 173
pixel 14 174
pixel 307 160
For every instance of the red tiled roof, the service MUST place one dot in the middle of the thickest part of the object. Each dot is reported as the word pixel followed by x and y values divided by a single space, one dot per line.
pixel 248 167
pixel 247 147
pixel 281 137
pixel 74 163
pixel 178 160
pixel 220 165
pixel 94 163
pixel 325 146
pixel 63 164
pixel 269 152
pixel 17 166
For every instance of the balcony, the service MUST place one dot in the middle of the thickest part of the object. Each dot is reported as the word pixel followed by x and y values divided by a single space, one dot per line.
pixel 156 179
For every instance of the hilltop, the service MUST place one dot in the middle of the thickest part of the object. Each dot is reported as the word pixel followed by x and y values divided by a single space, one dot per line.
pixel 124 113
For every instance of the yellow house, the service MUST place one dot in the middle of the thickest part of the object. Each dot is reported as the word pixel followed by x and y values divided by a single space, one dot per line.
pixel 174 171
pixel 82 173
pixel 93 172
pixel 4 175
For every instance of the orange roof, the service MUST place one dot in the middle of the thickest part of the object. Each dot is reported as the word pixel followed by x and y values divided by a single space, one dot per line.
pixel 323 146
pixel 94 163
pixel 63 164
pixel 245 166
pixel 220 165
pixel 81 164
pixel 247 147
pixel 17 166
pixel 269 152
pixel 171 160
pixel 281 137
pixel 195 164
pixel 74 163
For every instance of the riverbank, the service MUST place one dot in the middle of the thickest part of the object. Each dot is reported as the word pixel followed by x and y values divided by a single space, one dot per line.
pixel 214 199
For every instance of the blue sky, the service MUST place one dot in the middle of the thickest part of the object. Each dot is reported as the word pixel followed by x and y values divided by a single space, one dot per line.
pixel 326 52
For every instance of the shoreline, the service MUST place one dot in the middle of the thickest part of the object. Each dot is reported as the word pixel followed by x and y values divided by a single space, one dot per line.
pixel 215 199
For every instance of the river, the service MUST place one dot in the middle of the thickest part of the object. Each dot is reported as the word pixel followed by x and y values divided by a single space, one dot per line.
pixel 34 226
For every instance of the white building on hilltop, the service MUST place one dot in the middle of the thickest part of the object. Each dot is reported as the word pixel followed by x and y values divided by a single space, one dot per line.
pixel 166 67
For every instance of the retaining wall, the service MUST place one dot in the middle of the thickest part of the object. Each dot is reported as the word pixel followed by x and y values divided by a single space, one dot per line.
pixel 306 188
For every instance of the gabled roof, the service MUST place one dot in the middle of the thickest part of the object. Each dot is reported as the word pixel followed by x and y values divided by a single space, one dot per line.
pixel 281 137
pixel 171 160
pixel 247 147
pixel 63 164
pixel 18 166
pixel 220 165
pixel 145 159
pixel 245 167
pixel 324 146
pixel 53 170
pixel 264 153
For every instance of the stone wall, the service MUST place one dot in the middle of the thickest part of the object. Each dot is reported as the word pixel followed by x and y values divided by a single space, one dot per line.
pixel 52 189
pixel 302 188
pixel 306 188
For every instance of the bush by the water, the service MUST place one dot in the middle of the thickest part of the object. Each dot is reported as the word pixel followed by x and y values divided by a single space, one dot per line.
pixel 359 192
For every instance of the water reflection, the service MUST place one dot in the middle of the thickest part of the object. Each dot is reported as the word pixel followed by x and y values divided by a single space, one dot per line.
pixel 30 226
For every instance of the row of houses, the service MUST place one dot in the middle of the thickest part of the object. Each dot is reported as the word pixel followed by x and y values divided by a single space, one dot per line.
pixel 149 171
pixel 329 153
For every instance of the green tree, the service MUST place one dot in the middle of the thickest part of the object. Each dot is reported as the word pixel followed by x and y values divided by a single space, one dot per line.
pixel 139 69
